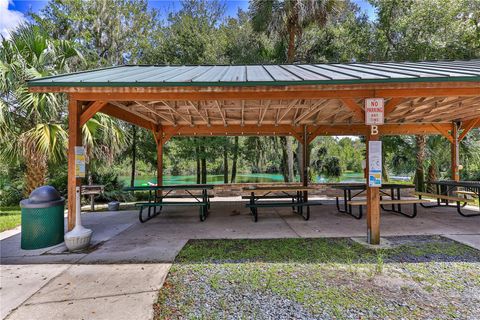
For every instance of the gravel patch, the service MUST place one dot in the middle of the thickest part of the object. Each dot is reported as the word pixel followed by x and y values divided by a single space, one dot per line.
pixel 420 278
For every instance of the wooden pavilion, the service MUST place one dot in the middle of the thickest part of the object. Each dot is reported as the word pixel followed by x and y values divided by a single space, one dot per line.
pixel 303 101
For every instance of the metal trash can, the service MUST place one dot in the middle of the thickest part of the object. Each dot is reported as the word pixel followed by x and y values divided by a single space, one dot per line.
pixel 42 218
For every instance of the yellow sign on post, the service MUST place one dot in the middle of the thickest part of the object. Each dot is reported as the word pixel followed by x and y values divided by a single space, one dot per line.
pixel 80 162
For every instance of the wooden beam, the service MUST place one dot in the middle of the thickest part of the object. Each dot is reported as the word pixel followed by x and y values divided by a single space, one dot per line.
pixel 443 131
pixel 355 108
pixel 373 203
pixel 131 110
pixel 221 112
pixel 467 126
pixel 74 140
pixel 89 112
pixel 121 114
pixel 361 90
pixel 288 108
pixel 264 112
pixel 313 110
pixel 152 110
pixel 392 104
pixel 235 130
pixel 276 93
pixel 175 111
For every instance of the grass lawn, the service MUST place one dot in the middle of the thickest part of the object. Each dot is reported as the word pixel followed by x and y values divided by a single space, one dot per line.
pixel 418 278
pixel 9 218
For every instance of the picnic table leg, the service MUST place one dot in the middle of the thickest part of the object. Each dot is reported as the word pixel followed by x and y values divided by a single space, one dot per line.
pixel 399 195
pixel 349 199
pixel 253 210
pixel 345 198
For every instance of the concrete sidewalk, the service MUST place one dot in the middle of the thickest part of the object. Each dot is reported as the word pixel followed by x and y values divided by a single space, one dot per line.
pixel 87 292
pixel 120 276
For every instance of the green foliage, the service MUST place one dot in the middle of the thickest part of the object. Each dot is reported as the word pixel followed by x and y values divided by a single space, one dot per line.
pixel 10 217
pixel 112 31
pixel 331 167
pixel 113 189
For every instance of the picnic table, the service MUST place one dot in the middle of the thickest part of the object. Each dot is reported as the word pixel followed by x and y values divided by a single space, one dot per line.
pixel 158 194
pixel 279 196
pixel 391 190
pixel 459 192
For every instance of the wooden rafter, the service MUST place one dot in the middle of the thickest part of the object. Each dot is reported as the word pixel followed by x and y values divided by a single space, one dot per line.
pixel 260 120
pixel 355 108
pixel 197 109
pixel 131 110
pixel 312 111
pixel 119 113
pixel 217 104
pixel 392 104
pixel 174 111
pixel 444 131
pixel 157 113
pixel 467 126
pixel 288 108
pixel 91 110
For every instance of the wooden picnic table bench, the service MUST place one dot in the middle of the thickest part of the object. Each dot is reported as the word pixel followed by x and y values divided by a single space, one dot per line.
pixel 262 197
pixel 353 190
pixel 450 191
pixel 156 199
pixel 414 202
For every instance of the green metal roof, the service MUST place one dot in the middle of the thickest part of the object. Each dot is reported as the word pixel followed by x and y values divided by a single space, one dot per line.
pixel 245 75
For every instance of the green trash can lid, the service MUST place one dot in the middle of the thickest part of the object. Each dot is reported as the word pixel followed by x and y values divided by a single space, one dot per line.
pixel 43 197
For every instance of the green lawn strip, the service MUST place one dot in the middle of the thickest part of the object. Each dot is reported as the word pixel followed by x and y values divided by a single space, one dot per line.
pixel 328 277
pixel 332 250
pixel 10 218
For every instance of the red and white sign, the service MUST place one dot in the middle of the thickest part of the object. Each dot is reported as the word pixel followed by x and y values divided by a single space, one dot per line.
pixel 374 111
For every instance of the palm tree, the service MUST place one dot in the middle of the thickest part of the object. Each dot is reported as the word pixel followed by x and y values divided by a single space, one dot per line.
pixel 32 123
pixel 287 19
pixel 421 142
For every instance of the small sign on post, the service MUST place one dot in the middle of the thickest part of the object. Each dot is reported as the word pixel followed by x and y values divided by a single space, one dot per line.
pixel 374 111
pixel 374 163
pixel 79 162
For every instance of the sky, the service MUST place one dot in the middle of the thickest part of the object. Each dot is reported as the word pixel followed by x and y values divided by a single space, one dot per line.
pixel 14 12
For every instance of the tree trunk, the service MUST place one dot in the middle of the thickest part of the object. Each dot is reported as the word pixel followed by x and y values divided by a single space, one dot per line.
pixel 421 143
pixel 432 176
pixel 203 162
pixel 289 149
pixel 300 160
pixel 284 162
pixel 134 155
pixel 36 171
pixel 225 163
pixel 197 158
pixel 234 162
pixel 291 44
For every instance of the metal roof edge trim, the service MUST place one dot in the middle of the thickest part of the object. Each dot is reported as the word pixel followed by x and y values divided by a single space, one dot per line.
pixel 247 84
pixel 74 73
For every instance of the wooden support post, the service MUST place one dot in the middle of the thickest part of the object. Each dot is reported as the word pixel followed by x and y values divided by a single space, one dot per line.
pixel 74 139
pixel 455 153
pixel 373 203
pixel 305 161
pixel 158 133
